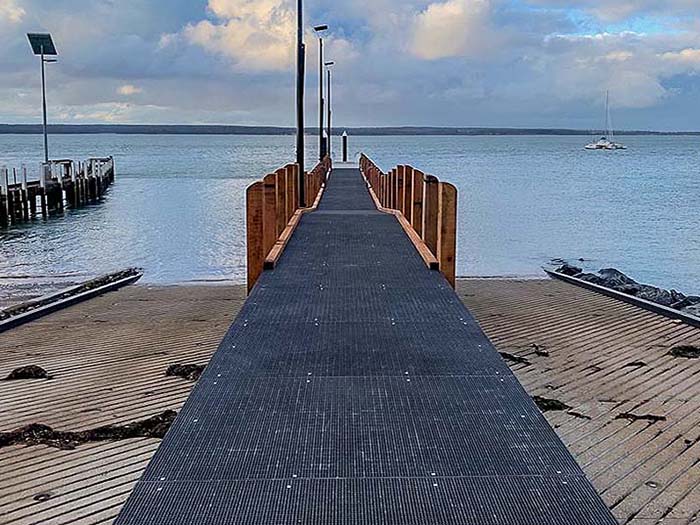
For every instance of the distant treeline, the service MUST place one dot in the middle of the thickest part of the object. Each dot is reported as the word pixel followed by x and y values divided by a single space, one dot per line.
pixel 149 129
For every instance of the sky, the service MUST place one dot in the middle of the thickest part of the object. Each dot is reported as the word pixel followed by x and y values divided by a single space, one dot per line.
pixel 502 63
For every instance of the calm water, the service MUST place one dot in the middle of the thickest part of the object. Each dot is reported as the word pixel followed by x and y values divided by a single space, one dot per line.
pixel 177 206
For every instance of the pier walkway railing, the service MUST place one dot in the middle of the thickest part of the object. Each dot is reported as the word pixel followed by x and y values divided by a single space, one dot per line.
pixel 273 213
pixel 425 207
pixel 355 388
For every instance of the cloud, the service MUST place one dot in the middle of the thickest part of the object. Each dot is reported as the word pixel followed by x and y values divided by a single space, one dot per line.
pixel 439 62
pixel 454 28
pixel 257 35
pixel 128 90
pixel 11 11
pixel 617 10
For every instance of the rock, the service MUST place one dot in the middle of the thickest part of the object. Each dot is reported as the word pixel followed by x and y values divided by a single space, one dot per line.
pixel 569 270
pixel 616 280
pixel 28 372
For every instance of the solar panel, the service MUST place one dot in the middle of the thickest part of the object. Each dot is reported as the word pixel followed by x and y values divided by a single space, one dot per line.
pixel 39 40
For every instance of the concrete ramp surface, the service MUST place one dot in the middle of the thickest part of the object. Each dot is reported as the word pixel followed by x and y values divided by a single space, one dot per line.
pixel 355 388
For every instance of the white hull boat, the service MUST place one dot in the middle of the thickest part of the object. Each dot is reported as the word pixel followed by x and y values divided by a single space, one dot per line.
pixel 605 143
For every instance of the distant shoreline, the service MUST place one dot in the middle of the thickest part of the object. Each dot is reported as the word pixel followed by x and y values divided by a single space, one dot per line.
pixel 155 129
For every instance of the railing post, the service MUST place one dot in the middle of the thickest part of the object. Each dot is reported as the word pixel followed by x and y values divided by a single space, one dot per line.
pixel 295 171
pixel 400 188
pixel 254 232
pixel 281 206
pixel 269 213
pixel 408 193
pixel 291 203
pixel 430 213
pixel 417 205
pixel 447 234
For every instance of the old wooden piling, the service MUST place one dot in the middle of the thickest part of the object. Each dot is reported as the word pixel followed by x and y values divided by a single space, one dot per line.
pixel 61 183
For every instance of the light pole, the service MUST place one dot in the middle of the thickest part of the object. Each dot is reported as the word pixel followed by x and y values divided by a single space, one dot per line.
pixel 321 142
pixel 329 65
pixel 301 57
pixel 43 46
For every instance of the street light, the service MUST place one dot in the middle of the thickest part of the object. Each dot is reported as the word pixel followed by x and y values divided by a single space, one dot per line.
pixel 321 142
pixel 301 57
pixel 43 46
pixel 329 65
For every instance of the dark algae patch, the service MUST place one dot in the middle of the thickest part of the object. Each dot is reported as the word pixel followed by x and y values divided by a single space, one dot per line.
pixel 189 372
pixel 643 417
pixel 28 372
pixel 550 405
pixel 686 352
pixel 511 358
pixel 37 434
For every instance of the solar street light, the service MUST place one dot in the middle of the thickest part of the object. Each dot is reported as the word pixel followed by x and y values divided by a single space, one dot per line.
pixel 321 141
pixel 43 46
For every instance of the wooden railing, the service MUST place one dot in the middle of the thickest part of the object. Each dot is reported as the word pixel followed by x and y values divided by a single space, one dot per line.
pixel 273 212
pixel 425 207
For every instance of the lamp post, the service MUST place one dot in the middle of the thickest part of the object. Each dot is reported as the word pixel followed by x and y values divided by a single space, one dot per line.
pixel 329 65
pixel 43 46
pixel 301 57
pixel 321 142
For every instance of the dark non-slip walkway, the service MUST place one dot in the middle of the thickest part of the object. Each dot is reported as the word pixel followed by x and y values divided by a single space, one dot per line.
pixel 355 388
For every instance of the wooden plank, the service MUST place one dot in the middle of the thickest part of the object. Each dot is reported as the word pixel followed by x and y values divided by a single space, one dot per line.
pixel 400 189
pixel 281 198
pixel 431 213
pixel 289 199
pixel 408 192
pixel 254 232
pixel 269 213
pixel 417 204
pixel 447 240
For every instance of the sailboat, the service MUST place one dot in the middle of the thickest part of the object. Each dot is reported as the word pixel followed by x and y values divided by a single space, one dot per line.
pixel 607 142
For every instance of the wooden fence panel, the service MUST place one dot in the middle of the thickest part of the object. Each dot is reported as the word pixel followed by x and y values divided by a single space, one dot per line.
pixel 281 200
pixel 269 212
pixel 400 189
pixel 417 206
pixel 254 232
pixel 430 213
pixel 447 240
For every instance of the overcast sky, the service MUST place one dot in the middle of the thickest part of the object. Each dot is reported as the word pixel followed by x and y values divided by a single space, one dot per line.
pixel 521 63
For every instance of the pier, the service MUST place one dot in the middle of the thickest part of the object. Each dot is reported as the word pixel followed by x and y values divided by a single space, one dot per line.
pixel 61 184
pixel 354 386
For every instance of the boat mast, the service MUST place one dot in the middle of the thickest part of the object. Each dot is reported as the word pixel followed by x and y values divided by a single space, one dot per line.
pixel 608 123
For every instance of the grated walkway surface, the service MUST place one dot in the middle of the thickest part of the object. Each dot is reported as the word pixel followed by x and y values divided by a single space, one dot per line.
pixel 355 388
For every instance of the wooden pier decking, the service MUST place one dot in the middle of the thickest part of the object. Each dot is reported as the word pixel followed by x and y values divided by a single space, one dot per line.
pixel 153 328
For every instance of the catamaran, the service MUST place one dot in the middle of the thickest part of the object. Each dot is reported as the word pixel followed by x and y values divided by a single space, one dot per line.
pixel 605 142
